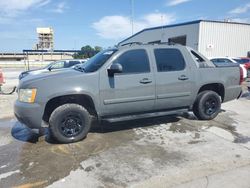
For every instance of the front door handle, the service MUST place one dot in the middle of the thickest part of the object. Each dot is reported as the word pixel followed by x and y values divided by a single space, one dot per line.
pixel 183 77
pixel 145 81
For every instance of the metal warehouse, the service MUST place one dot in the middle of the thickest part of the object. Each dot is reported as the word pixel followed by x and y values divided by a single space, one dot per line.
pixel 211 38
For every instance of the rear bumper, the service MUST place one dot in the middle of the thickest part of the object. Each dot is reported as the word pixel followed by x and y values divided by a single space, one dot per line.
pixel 29 114
pixel 233 92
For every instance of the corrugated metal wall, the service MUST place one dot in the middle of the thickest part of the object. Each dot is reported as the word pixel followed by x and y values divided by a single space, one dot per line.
pixel 191 31
pixel 224 39
pixel 208 37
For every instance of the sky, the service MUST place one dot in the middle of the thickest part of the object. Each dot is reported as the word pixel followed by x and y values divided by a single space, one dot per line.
pixel 103 22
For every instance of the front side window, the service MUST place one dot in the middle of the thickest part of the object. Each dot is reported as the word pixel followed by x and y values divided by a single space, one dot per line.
pixel 169 60
pixel 134 61
pixel 58 65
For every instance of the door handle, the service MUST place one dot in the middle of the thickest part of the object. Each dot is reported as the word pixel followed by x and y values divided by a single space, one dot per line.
pixel 183 77
pixel 145 81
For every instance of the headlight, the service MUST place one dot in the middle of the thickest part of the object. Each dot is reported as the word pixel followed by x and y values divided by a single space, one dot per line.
pixel 27 95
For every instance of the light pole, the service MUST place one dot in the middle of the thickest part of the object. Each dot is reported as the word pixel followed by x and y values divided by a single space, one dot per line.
pixel 132 16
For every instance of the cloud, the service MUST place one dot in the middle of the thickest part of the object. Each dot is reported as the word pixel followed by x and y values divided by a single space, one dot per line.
pixel 241 20
pixel 176 2
pixel 241 9
pixel 44 3
pixel 11 8
pixel 117 27
pixel 60 8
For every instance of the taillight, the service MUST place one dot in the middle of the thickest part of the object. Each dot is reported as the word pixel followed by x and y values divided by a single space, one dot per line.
pixel 241 75
pixel 247 65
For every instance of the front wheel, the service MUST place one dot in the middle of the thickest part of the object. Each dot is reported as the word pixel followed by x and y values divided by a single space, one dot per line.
pixel 70 123
pixel 207 105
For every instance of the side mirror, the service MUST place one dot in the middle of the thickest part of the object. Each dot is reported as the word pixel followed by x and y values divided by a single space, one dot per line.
pixel 115 68
pixel 50 68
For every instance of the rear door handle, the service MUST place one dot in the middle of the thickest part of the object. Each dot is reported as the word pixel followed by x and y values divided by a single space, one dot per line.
pixel 145 81
pixel 183 77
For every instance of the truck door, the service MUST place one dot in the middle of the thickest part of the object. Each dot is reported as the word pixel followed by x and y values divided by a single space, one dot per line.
pixel 132 90
pixel 173 79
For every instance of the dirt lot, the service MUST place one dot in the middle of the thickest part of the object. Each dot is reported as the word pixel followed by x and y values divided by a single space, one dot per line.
pixel 160 152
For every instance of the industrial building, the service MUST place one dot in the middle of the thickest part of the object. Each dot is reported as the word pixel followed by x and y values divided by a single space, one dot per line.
pixel 211 38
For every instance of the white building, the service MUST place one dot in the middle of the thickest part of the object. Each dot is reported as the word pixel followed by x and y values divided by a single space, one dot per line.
pixel 211 38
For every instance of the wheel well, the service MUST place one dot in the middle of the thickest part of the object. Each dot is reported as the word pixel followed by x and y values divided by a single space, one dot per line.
pixel 83 100
pixel 216 87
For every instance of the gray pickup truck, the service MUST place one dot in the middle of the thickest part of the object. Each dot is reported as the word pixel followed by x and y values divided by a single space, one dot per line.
pixel 124 83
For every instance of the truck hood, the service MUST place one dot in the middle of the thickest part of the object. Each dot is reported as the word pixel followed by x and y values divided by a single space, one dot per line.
pixel 39 75
pixel 36 71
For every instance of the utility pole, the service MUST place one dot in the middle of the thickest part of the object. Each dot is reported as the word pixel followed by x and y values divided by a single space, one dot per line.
pixel 132 15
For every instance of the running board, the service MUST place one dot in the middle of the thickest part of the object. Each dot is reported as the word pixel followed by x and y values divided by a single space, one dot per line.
pixel 142 116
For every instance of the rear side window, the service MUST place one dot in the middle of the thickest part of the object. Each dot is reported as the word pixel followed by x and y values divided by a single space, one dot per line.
pixel 134 61
pixel 169 60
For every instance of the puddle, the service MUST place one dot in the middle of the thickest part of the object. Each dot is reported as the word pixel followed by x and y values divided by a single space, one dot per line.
pixel 23 133
pixel 182 128
pixel 246 95
pixel 242 139
pixel 230 125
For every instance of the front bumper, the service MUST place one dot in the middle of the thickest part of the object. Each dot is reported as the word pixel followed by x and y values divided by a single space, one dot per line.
pixel 29 114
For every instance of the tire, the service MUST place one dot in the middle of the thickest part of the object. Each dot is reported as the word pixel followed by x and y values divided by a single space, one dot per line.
pixel 70 123
pixel 207 105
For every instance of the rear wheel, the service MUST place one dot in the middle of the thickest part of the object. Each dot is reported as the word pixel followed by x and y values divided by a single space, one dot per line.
pixel 207 105
pixel 70 123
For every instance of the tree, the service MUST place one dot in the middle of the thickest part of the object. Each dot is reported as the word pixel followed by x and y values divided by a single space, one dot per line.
pixel 98 48
pixel 87 52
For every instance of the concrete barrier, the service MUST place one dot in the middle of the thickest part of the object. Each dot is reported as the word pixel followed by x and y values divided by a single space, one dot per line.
pixel 23 64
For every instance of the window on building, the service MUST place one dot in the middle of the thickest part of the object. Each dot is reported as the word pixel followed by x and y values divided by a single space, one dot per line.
pixel 134 61
pixel 169 60
pixel 179 40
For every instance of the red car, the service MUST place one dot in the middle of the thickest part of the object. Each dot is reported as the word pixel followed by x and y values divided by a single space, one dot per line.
pixel 1 77
pixel 246 62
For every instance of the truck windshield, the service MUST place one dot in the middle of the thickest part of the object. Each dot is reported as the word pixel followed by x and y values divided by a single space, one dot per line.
pixel 96 62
